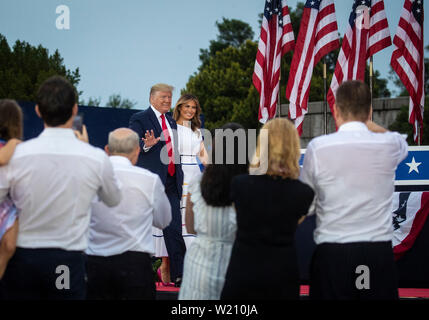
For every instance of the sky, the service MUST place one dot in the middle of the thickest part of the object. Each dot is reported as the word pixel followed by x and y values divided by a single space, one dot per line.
pixel 125 46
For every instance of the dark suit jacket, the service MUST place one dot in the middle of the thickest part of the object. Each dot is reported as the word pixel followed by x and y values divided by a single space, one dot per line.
pixel 151 160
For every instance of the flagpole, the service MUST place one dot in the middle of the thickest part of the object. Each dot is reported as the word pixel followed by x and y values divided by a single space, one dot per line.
pixel 325 104
pixel 371 65
pixel 418 133
pixel 278 102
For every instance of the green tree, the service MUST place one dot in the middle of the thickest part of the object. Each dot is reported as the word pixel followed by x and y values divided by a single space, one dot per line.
pixel 92 101
pixel 232 32
pixel 116 101
pixel 224 88
pixel 24 67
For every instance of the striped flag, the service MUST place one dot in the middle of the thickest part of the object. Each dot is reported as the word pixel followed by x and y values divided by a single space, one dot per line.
pixel 410 211
pixel 367 33
pixel 276 39
pixel 318 35
pixel 407 60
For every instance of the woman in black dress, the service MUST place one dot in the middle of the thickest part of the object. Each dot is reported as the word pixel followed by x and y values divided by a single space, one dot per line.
pixel 269 202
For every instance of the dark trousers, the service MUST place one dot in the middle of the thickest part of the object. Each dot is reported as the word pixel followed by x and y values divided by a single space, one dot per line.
pixel 126 276
pixel 38 274
pixel 353 271
pixel 173 238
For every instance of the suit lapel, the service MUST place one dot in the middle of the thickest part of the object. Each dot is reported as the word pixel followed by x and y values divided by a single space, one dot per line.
pixel 155 122
pixel 173 126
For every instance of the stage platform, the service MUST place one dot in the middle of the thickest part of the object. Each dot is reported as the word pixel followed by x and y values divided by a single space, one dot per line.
pixel 171 293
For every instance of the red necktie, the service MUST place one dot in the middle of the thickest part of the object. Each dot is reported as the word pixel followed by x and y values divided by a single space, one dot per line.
pixel 171 167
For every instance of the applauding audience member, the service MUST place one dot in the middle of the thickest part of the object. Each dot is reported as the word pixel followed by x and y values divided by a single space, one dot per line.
pixel 10 135
pixel 352 172
pixel 120 239
pixel 211 216
pixel 269 203
pixel 53 179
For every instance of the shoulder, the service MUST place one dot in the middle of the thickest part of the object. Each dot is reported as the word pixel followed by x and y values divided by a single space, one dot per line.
pixel 141 114
pixel 322 141
pixel 143 173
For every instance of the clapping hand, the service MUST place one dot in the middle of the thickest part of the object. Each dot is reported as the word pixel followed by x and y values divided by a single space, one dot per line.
pixel 149 139
pixel 82 136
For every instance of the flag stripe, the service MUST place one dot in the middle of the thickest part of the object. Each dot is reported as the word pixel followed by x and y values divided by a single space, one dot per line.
pixel 359 43
pixel 407 60
pixel 275 40
pixel 318 35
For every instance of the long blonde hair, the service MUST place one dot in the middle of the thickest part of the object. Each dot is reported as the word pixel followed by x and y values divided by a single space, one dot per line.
pixel 282 157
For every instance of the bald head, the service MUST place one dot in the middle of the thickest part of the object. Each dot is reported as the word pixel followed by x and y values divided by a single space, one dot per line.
pixel 123 141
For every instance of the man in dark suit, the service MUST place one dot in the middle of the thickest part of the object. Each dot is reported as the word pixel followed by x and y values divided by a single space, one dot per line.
pixel 159 154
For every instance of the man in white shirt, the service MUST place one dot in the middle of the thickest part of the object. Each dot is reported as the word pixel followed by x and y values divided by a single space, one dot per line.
pixel 352 172
pixel 120 238
pixel 52 180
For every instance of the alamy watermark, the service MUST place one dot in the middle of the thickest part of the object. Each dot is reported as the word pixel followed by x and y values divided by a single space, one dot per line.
pixel 232 147
pixel 63 280
pixel 63 20
pixel 362 17
pixel 362 281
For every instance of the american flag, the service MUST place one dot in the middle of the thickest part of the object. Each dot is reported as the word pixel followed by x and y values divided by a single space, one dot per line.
pixel 410 211
pixel 318 35
pixel 276 39
pixel 407 60
pixel 363 39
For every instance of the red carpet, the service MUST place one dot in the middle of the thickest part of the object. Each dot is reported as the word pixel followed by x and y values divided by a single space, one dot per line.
pixel 403 292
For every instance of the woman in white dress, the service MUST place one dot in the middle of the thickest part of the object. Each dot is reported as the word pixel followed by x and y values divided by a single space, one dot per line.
pixel 191 148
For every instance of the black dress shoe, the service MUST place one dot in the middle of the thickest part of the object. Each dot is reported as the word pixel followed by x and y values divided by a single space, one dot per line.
pixel 178 282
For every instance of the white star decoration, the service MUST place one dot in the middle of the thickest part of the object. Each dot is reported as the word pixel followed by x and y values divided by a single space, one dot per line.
pixel 413 165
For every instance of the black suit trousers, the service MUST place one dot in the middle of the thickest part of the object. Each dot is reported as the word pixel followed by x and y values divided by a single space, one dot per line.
pixel 173 238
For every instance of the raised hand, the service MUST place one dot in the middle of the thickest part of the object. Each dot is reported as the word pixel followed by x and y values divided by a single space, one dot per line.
pixel 149 139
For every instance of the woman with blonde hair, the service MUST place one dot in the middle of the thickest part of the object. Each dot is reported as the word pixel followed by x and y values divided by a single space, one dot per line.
pixel 269 202
pixel 191 148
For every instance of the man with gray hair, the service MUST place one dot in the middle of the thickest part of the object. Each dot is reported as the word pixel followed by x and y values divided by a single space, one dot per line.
pixel 120 238
pixel 160 154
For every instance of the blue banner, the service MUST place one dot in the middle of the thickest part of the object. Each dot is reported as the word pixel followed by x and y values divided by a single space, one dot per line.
pixel 413 171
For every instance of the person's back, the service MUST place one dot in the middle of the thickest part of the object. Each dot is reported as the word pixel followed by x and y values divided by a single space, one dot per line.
pixel 52 179
pixel 270 202
pixel 268 209
pixel 120 238
pixel 356 188
pixel 352 173
pixel 129 225
pixel 211 216
pixel 48 172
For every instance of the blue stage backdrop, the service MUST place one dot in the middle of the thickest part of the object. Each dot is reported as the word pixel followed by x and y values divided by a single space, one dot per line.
pixel 99 121
pixel 412 175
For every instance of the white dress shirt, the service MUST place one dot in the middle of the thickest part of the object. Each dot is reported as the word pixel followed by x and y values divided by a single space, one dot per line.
pixel 352 173
pixel 128 227
pixel 52 180
pixel 170 131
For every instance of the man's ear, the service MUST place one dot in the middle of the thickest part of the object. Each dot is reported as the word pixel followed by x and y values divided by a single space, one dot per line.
pixel 36 108
pixel 106 148
pixel 135 157
pixel 370 114
pixel 75 109
pixel 335 115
